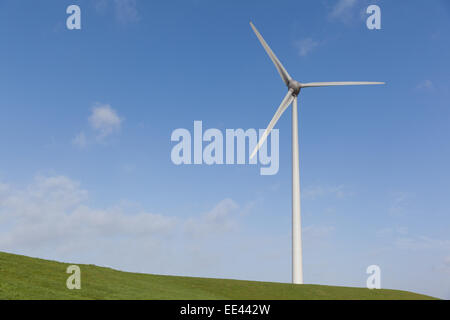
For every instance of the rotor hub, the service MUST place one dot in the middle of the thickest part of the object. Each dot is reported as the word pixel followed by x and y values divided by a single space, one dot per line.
pixel 295 86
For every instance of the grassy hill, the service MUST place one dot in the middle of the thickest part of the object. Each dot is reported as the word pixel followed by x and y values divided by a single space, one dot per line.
pixel 30 278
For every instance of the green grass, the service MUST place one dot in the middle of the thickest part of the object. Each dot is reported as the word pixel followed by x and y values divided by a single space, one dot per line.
pixel 30 278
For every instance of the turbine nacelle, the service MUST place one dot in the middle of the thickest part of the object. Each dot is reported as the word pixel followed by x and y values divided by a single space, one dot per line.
pixel 295 86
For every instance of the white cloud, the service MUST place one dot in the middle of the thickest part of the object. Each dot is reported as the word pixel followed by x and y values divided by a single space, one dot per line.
pixel 104 120
pixel 125 11
pixel 399 203
pixel 446 266
pixel 314 231
pixel 314 192
pixel 51 218
pixel 80 140
pixel 128 168
pixel 219 219
pixel 391 231
pixel 421 242
pixel 426 85
pixel 401 238
pixel 342 10
pixel 3 188
pixel 305 46
pixel 101 5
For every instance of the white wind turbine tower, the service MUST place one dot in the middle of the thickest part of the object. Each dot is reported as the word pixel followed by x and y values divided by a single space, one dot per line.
pixel 294 88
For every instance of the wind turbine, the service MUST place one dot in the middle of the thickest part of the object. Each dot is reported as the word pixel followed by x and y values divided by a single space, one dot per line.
pixel 294 88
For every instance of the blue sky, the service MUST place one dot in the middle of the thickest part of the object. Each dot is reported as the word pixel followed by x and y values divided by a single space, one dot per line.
pixel 86 118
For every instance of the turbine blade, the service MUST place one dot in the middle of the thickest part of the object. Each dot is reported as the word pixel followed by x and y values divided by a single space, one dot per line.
pixel 281 70
pixel 341 83
pixel 283 106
